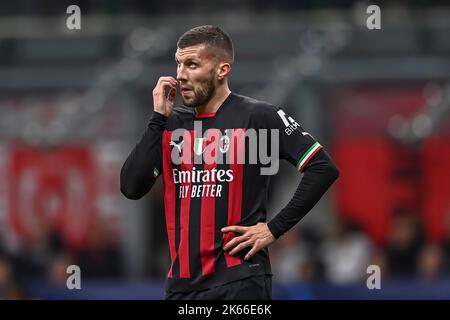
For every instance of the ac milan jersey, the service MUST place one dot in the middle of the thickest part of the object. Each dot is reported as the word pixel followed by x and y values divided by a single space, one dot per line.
pixel 216 181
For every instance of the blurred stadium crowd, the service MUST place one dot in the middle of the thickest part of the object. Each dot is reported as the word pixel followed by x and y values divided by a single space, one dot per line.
pixel 73 103
pixel 341 258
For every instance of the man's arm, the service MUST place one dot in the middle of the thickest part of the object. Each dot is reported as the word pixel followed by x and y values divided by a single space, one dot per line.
pixel 300 149
pixel 318 176
pixel 143 165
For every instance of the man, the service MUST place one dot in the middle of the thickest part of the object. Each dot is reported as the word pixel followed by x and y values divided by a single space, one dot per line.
pixel 216 210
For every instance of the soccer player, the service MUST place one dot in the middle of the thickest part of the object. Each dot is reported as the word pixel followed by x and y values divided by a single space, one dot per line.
pixel 215 197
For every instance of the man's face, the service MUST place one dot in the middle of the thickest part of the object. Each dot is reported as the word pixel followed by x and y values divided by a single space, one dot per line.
pixel 196 74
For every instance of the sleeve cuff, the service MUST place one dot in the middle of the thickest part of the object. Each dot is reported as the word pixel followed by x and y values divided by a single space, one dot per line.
pixel 274 229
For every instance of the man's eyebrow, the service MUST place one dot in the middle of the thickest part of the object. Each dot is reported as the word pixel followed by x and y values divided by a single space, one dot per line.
pixel 188 59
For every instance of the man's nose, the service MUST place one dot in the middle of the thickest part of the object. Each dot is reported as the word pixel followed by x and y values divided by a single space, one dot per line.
pixel 181 74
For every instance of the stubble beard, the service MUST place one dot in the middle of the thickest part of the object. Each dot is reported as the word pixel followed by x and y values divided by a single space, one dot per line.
pixel 203 94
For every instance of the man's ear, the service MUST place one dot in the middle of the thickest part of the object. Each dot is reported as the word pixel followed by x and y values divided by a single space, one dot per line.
pixel 223 70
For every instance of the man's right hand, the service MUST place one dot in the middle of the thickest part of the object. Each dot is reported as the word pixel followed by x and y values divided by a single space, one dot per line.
pixel 164 95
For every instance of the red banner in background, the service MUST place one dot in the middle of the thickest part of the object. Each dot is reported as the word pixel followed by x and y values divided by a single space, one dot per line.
pixel 436 213
pixel 365 194
pixel 52 190
pixel 381 176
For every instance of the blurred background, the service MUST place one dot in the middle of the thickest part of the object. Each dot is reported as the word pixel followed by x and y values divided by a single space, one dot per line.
pixel 74 102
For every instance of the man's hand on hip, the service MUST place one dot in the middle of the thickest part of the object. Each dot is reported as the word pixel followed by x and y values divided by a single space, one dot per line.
pixel 257 237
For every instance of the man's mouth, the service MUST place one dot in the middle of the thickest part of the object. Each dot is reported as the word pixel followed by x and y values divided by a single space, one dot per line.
pixel 185 89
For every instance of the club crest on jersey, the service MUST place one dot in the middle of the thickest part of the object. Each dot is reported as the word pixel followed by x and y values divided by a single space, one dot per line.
pixel 224 144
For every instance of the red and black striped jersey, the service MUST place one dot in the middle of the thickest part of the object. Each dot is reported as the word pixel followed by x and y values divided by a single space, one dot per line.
pixel 212 178
pixel 203 196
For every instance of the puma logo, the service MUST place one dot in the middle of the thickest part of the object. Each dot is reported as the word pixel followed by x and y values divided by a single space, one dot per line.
pixel 178 146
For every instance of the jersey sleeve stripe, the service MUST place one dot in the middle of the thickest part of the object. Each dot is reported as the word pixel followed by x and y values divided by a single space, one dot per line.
pixel 307 156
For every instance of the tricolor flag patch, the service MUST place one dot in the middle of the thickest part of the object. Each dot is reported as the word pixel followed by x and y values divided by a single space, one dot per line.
pixel 307 156
pixel 198 146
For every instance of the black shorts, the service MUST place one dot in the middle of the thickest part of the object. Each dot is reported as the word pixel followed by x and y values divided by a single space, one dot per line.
pixel 253 288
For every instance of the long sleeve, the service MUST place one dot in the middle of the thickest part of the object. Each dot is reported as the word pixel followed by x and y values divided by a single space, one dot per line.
pixel 299 147
pixel 143 165
pixel 318 176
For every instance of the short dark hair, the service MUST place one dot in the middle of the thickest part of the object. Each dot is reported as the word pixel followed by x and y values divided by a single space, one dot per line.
pixel 211 36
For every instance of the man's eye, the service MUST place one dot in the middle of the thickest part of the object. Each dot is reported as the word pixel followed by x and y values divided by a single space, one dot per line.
pixel 192 65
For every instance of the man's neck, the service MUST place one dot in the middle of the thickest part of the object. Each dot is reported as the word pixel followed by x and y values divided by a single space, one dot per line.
pixel 216 101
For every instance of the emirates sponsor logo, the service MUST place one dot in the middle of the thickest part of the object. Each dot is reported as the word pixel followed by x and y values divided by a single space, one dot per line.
pixel 202 176
pixel 200 191
pixel 201 183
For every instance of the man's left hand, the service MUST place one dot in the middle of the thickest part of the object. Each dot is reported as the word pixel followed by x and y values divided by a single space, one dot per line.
pixel 257 237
